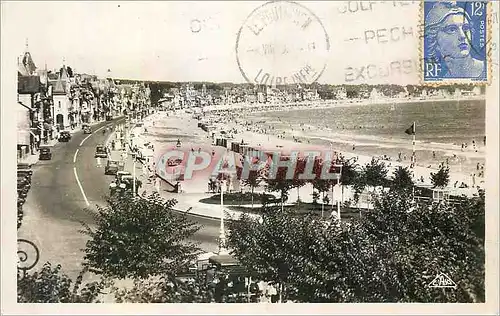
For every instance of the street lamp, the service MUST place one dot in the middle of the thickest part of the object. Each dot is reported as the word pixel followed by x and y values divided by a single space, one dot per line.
pixel 337 177
pixel 222 232
pixel 134 157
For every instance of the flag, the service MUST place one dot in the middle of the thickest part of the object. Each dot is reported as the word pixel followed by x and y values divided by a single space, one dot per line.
pixel 411 130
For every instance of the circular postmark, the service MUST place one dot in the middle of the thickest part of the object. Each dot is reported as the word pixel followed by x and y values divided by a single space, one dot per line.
pixel 280 43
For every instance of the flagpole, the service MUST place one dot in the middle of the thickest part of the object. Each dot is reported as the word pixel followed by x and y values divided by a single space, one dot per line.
pixel 413 145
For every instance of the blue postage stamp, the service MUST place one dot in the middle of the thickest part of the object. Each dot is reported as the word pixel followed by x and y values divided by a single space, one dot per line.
pixel 455 41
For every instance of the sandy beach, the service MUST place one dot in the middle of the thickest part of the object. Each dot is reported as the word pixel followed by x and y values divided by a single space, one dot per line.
pixel 164 129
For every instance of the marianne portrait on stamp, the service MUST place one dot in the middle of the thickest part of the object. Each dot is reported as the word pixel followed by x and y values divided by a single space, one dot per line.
pixel 448 34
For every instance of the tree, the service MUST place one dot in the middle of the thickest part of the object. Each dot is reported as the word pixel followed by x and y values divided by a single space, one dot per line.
pixel 280 184
pixel 320 184
pixel 253 180
pixel 401 179
pixel 297 182
pixel 389 255
pixel 373 175
pixel 139 237
pixel 349 174
pixel 441 178
pixel 50 285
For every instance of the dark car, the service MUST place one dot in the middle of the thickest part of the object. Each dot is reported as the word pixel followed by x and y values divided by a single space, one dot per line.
pixel 45 154
pixel 112 167
pixel 87 129
pixel 128 181
pixel 24 169
pixel 100 152
pixel 109 118
pixel 120 174
pixel 64 136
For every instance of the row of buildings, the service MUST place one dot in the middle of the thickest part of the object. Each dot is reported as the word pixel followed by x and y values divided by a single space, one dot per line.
pixel 188 96
pixel 191 95
pixel 50 101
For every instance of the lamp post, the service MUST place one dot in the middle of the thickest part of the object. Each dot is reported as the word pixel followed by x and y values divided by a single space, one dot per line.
pixel 222 231
pixel 133 173
pixel 224 173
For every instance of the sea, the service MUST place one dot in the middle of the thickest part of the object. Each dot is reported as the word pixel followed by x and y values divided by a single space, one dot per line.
pixel 379 129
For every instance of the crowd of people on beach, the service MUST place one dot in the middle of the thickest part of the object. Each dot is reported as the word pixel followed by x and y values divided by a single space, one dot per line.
pixel 238 122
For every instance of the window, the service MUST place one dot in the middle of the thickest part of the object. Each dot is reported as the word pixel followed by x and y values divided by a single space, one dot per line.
pixel 59 103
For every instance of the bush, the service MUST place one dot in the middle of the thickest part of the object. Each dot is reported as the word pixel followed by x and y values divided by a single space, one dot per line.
pixel 140 237
pixel 50 285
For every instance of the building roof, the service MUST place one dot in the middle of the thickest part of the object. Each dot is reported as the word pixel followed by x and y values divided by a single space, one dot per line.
pixel 60 86
pixel 26 65
pixel 64 73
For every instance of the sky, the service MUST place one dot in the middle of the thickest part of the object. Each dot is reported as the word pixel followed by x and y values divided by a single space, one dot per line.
pixel 195 41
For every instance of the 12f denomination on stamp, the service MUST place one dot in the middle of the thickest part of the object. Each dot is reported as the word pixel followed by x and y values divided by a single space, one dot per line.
pixel 280 43
pixel 455 42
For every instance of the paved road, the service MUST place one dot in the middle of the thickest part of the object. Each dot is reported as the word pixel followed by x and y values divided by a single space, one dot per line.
pixel 55 205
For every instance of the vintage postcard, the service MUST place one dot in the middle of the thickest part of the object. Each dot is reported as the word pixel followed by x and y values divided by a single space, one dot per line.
pixel 209 157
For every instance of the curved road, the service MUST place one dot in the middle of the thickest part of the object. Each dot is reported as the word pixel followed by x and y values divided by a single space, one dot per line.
pixel 57 202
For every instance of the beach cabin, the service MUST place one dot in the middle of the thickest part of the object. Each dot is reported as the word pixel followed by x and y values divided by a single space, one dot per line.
pixel 244 149
pixel 221 142
pixel 440 195
pixel 235 147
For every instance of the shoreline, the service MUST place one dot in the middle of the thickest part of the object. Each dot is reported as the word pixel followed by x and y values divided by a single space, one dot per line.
pixel 182 124
pixel 326 104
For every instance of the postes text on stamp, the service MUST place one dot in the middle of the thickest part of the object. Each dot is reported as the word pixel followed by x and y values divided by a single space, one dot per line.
pixel 455 42
pixel 281 43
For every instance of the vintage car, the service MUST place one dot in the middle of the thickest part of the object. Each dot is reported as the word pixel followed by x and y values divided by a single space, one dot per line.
pixel 45 154
pixel 124 185
pixel 64 136
pixel 24 169
pixel 120 174
pixel 100 152
pixel 112 167
pixel 86 129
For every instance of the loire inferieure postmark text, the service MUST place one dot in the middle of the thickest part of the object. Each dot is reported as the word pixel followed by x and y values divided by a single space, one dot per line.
pixel 282 43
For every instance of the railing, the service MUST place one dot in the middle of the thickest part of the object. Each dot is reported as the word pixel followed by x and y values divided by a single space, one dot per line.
pixel 28 254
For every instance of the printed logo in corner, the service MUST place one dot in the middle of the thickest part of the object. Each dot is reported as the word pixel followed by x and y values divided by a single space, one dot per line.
pixel 443 281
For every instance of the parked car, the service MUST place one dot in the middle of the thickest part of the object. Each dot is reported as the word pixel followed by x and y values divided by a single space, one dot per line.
pixel 24 168
pixel 23 183
pixel 101 152
pixel 24 175
pixel 120 174
pixel 45 154
pixel 128 180
pixel 86 129
pixel 109 117
pixel 112 167
pixel 64 136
